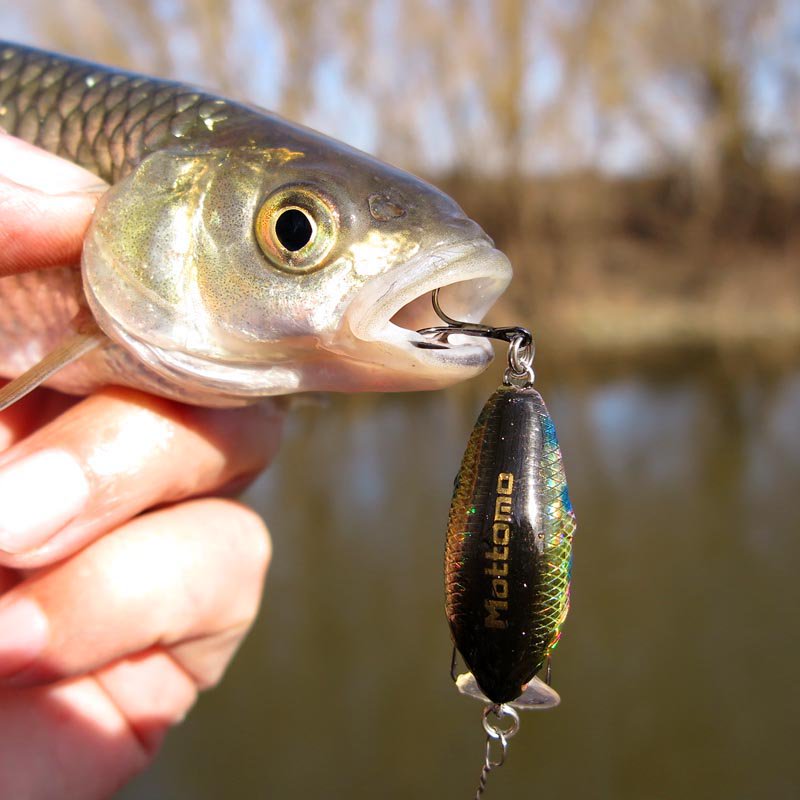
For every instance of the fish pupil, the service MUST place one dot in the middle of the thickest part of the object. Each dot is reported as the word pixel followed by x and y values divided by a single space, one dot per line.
pixel 293 229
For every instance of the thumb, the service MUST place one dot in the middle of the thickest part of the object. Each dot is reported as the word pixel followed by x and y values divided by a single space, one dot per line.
pixel 46 204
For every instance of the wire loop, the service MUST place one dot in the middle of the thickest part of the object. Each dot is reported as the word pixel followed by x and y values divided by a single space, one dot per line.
pixel 520 363
pixel 500 712
pixel 500 732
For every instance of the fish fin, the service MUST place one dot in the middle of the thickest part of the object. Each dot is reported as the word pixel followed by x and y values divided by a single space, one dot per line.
pixel 68 351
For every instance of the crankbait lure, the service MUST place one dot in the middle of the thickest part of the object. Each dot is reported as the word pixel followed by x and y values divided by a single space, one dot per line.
pixel 508 555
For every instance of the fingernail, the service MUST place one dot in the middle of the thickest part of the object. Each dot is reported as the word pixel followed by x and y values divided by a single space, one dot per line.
pixel 39 494
pixel 23 635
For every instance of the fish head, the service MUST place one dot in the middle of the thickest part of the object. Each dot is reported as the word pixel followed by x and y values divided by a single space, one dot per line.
pixel 252 268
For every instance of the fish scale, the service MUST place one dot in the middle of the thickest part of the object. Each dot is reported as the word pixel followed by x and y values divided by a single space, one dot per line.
pixel 104 120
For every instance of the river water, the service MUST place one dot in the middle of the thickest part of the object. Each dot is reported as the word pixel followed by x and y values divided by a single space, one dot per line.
pixel 678 665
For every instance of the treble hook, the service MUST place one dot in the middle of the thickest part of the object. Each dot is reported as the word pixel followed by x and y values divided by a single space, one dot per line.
pixel 454 326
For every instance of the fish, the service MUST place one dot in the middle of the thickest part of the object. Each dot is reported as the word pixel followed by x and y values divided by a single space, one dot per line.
pixel 508 552
pixel 233 254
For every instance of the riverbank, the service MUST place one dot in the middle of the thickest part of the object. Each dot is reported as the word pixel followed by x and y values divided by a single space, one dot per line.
pixel 623 270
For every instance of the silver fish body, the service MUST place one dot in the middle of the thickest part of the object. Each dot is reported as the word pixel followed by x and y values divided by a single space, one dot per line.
pixel 235 254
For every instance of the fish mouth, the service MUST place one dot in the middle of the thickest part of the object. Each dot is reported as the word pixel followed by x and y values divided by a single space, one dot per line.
pixel 389 313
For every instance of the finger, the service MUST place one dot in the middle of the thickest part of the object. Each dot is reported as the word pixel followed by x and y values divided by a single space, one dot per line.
pixel 186 579
pixel 30 413
pixel 114 455
pixel 8 579
pixel 46 204
pixel 152 691
pixel 41 230
pixel 67 741
pixel 106 728
pixel 30 166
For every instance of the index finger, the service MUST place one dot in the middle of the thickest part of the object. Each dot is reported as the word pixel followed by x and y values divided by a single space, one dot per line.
pixel 112 456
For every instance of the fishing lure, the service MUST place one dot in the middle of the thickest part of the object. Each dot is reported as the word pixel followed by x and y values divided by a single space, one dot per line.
pixel 508 555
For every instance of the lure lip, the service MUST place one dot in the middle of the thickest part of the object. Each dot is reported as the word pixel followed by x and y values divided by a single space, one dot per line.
pixel 474 272
pixel 536 695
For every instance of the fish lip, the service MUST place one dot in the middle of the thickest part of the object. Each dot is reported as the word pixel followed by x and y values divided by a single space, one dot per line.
pixel 369 315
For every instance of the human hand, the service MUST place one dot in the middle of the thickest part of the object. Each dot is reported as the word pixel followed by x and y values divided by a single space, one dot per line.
pixel 111 619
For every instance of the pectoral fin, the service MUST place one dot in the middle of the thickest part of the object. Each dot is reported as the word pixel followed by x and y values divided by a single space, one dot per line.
pixel 70 350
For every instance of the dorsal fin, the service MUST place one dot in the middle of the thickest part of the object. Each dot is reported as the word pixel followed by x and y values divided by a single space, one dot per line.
pixel 69 350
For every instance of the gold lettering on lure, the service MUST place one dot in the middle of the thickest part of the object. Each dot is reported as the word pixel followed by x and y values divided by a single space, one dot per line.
pixel 493 609
pixel 498 555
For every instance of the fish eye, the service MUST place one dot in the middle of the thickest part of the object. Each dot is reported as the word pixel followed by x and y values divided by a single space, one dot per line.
pixel 296 228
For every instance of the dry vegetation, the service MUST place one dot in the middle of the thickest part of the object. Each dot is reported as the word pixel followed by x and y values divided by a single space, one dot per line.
pixel 518 108
pixel 620 267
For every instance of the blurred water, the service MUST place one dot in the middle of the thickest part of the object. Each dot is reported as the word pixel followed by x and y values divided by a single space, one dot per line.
pixel 677 668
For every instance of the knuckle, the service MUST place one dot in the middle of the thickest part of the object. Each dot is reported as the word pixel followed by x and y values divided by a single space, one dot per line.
pixel 254 537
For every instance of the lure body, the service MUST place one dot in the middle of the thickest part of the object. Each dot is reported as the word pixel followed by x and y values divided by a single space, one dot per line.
pixel 508 554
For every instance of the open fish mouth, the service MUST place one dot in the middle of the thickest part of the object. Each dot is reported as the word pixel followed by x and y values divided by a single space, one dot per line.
pixel 470 278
